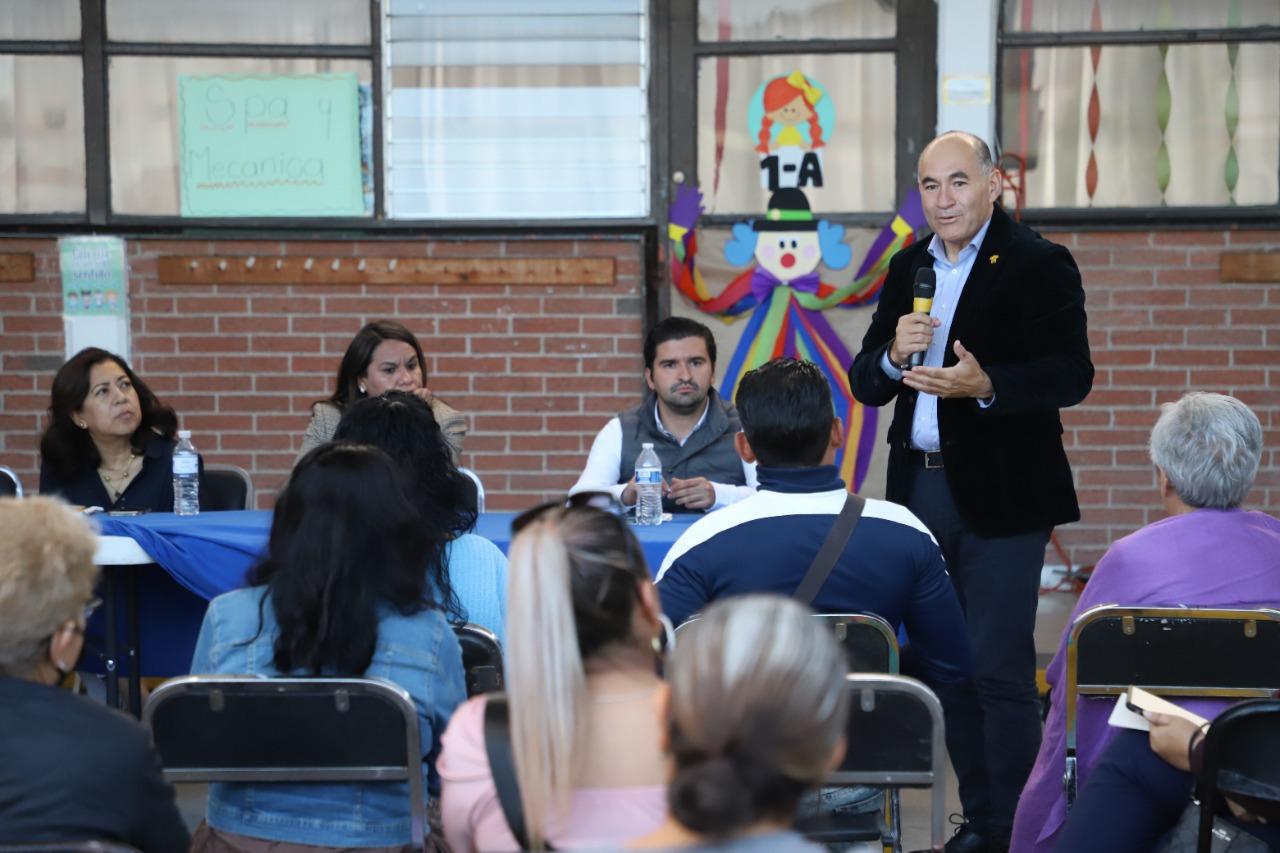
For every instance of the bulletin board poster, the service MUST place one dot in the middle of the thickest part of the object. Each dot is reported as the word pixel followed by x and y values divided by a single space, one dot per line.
pixel 270 145
pixel 94 276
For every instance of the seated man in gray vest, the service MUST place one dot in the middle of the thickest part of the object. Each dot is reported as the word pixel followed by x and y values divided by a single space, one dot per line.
pixel 690 427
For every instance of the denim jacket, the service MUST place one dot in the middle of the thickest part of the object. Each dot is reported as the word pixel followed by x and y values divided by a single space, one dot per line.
pixel 419 652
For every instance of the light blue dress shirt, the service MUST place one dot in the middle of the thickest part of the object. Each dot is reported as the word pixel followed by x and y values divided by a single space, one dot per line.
pixel 951 279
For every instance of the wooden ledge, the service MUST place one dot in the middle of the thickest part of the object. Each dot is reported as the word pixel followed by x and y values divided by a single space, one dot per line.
pixel 1250 267
pixel 249 269
pixel 17 266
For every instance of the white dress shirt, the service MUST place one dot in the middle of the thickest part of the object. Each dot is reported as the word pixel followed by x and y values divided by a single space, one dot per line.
pixel 951 279
pixel 605 460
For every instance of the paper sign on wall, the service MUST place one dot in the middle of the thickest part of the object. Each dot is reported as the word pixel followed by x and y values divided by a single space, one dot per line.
pixel 95 291
pixel 268 145
pixel 93 276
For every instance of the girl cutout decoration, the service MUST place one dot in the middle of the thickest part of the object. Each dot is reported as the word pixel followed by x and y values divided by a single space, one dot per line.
pixel 790 118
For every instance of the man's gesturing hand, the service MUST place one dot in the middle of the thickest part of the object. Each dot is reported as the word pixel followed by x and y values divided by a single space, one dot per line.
pixel 965 379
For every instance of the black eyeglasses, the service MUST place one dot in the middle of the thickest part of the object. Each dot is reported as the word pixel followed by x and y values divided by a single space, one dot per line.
pixel 602 503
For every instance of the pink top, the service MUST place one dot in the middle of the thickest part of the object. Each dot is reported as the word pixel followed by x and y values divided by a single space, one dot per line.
pixel 473 820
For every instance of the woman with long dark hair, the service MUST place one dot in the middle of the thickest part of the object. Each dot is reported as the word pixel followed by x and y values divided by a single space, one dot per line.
pixel 582 691
pixel 340 592
pixel 110 441
pixel 469 571
pixel 383 356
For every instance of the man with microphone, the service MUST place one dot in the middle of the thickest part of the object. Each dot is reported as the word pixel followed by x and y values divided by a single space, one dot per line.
pixel 980 335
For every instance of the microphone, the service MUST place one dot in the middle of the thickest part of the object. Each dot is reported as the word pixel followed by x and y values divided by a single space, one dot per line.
pixel 926 284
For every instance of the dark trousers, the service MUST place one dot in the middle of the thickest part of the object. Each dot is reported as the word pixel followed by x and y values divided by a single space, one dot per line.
pixel 1132 800
pixel 993 723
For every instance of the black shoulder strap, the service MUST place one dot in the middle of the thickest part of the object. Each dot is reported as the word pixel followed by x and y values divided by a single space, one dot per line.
pixel 832 548
pixel 502 766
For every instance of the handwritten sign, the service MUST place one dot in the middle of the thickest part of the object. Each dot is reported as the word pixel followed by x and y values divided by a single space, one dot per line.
pixel 266 145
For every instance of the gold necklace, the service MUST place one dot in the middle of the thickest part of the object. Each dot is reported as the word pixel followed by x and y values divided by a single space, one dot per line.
pixel 117 479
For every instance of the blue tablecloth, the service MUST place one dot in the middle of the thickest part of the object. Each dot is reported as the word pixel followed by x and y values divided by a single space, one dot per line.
pixel 209 554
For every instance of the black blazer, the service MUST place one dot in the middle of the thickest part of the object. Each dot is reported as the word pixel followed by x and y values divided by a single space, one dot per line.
pixel 1022 316
pixel 73 770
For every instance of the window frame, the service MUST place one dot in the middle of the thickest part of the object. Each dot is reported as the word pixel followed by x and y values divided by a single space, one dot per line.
pixel 1206 216
pixel 95 50
pixel 913 46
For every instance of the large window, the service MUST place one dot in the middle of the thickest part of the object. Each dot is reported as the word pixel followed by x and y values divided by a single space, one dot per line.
pixel 501 109
pixel 829 97
pixel 346 113
pixel 1142 104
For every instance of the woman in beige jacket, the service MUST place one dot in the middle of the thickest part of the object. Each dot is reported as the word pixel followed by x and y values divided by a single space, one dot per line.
pixel 384 355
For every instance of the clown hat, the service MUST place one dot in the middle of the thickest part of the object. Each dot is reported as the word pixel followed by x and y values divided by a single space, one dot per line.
pixel 788 211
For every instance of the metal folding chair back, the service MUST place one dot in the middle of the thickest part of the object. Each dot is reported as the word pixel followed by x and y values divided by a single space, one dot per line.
pixel 868 640
pixel 262 730
pixel 1242 756
pixel 1170 651
pixel 896 739
pixel 481 658
pixel 227 487
pixel 10 485
pixel 475 480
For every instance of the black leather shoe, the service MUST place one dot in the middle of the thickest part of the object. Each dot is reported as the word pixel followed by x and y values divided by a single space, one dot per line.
pixel 967 840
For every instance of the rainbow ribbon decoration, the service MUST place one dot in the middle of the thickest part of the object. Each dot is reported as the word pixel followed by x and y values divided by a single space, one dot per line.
pixel 790 322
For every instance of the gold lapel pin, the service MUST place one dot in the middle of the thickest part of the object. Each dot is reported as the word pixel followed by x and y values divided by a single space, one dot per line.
pixel 993 259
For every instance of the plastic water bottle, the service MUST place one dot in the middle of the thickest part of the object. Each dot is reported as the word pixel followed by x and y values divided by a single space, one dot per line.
pixel 186 476
pixel 648 486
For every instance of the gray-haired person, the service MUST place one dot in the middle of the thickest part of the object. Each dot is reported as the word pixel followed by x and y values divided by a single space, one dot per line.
pixel 1207 552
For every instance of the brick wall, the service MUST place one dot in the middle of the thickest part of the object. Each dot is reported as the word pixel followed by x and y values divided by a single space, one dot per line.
pixel 536 369
pixel 1162 323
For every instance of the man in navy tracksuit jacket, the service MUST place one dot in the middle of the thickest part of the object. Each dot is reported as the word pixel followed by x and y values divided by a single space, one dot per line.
pixel 891 566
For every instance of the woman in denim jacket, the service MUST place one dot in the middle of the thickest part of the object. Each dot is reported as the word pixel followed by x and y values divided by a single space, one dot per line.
pixel 341 591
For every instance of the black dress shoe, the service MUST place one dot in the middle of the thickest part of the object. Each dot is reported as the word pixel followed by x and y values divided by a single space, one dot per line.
pixel 967 840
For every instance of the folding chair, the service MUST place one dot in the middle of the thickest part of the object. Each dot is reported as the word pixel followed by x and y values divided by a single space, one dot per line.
pixel 260 730
pixel 1170 651
pixel 226 487
pixel 868 640
pixel 1241 755
pixel 475 481
pixel 872 647
pixel 481 658
pixel 10 485
pixel 895 739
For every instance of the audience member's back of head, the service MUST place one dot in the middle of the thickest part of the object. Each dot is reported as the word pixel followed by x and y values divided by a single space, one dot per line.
pixel 785 407
pixel 572 599
pixel 345 541
pixel 1209 446
pixel 402 425
pixel 757 713
pixel 46 576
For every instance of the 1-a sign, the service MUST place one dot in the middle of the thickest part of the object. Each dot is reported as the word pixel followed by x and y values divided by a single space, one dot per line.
pixel 270 145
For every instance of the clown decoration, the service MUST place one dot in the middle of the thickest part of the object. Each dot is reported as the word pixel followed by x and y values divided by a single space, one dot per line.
pixel 786 297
